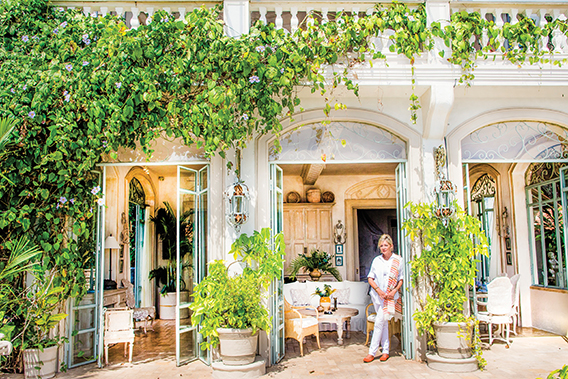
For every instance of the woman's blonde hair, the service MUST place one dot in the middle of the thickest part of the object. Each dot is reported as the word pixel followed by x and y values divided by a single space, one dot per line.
pixel 385 238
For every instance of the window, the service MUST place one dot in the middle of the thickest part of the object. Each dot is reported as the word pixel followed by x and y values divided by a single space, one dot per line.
pixel 544 207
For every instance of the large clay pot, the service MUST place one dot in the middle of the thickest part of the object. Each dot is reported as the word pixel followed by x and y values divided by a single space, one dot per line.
pixel 313 195
pixel 453 339
pixel 325 302
pixel 237 346
pixel 40 364
pixel 168 305
pixel 315 275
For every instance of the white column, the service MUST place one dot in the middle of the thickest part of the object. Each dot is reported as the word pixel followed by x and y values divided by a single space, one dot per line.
pixel 134 22
pixel 438 12
pixel 236 14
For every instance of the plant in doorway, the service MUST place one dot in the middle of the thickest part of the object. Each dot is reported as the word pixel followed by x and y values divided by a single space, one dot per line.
pixel 229 300
pixel 165 275
pixel 316 263
pixel 443 272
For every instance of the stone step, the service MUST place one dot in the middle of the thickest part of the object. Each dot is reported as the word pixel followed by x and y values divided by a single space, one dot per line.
pixel 251 371
pixel 451 365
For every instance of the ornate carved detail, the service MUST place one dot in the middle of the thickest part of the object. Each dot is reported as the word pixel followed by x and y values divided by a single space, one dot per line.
pixel 372 189
pixel 484 187
pixel 440 162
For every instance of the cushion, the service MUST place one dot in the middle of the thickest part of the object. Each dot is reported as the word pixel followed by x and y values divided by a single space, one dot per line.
pixel 359 293
pixel 299 297
pixel 372 317
pixel 305 321
pixel 342 296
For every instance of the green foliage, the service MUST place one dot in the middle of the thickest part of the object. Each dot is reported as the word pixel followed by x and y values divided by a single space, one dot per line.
pixel 315 260
pixel 327 291
pixel 561 373
pixel 445 267
pixel 224 300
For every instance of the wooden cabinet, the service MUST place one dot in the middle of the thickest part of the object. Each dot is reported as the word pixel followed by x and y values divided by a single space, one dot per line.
pixel 307 226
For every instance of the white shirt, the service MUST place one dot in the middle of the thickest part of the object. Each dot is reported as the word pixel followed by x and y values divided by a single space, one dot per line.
pixel 380 270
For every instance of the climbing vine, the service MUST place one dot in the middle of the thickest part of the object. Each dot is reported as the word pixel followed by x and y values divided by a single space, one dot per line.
pixel 77 88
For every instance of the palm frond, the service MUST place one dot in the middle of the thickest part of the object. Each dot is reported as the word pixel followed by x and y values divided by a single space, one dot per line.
pixel 21 258
pixel 6 127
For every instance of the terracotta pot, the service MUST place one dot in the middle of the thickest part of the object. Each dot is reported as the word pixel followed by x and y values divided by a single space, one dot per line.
pixel 313 195
pixel 315 275
pixel 325 302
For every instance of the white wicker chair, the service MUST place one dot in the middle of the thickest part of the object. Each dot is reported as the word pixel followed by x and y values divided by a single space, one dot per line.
pixel 516 291
pixel 499 307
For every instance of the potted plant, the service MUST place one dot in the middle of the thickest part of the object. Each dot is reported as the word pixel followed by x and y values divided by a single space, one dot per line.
pixel 165 221
pixel 325 299
pixel 229 306
pixel 443 272
pixel 316 263
pixel 33 306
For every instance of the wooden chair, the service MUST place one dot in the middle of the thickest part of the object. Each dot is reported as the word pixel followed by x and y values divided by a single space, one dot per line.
pixel 141 315
pixel 394 324
pixel 119 327
pixel 298 326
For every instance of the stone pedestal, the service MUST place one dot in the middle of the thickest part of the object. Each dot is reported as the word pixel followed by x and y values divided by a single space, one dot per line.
pixel 250 371
pixel 438 363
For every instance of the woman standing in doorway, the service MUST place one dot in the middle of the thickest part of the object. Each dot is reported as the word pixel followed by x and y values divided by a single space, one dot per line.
pixel 385 279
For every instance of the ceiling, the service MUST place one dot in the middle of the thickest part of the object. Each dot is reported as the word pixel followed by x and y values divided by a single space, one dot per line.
pixel 342 169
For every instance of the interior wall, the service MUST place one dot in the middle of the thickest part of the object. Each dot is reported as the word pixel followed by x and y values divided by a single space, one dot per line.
pixel 339 185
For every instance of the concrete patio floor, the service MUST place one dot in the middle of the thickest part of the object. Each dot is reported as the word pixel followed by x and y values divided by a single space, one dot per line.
pixel 532 355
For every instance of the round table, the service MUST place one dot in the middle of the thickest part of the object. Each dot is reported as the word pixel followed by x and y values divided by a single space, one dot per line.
pixel 338 317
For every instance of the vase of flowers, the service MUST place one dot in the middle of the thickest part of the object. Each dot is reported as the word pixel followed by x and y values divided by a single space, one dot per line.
pixel 325 299
pixel 315 263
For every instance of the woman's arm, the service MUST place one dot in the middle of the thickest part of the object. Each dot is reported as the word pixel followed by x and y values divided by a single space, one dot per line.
pixel 376 288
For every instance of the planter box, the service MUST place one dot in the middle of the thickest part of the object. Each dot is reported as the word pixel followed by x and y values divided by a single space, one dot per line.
pixel 453 340
pixel 237 346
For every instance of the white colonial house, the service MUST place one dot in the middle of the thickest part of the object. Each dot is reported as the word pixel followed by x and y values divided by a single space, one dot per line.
pixel 505 135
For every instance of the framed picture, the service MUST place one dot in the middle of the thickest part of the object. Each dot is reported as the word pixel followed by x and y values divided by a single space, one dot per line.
pixel 509 258
pixel 507 243
pixel 339 260
pixel 339 249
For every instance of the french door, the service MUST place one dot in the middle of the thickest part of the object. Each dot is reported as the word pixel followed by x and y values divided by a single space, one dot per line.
pixel 191 253
pixel 407 323
pixel 83 330
pixel 277 341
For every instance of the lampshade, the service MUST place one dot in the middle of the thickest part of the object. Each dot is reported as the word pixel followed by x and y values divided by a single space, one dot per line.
pixel 111 243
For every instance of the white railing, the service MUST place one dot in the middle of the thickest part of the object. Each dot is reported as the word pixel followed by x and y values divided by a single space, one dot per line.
pixel 136 13
pixel 508 13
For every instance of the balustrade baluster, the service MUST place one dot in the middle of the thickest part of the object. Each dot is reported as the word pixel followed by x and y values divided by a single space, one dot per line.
pixel 182 13
pixel 104 11
pixel 339 10
pixel 134 22
pixel 120 12
pixel 542 21
pixel 262 11
pixel 324 18
pixel 279 20
pixel 294 19
pixel 150 13
pixel 355 14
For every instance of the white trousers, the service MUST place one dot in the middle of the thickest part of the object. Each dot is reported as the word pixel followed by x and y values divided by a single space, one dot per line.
pixel 380 332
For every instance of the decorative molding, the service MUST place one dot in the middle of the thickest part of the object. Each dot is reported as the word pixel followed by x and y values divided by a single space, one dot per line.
pixel 378 188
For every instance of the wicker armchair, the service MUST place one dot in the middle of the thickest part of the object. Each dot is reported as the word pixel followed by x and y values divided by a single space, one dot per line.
pixel 394 324
pixel 298 326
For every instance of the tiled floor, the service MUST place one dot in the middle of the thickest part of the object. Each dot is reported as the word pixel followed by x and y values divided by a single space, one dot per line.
pixel 532 355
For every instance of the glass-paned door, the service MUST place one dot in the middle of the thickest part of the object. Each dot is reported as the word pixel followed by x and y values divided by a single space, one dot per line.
pixel 100 267
pixel 192 206
pixel 83 320
pixel 136 215
pixel 564 213
pixel 201 256
pixel 401 198
pixel 277 340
